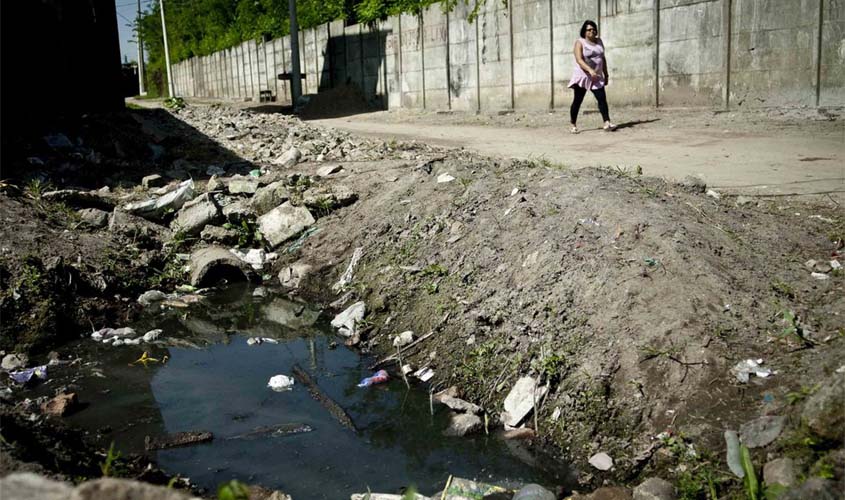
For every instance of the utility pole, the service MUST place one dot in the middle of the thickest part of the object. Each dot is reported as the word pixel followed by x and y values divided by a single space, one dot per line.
pixel 170 91
pixel 295 75
pixel 141 89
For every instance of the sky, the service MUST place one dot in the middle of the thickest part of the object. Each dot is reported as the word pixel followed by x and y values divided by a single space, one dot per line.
pixel 127 11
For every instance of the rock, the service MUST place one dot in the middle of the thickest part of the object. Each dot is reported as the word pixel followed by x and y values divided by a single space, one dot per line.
pixel 152 335
pixel 196 214
pixel 761 431
pixel 520 433
pixel 153 181
pixel 255 257
pixel 214 184
pixel 608 493
pixel 715 195
pixel 403 339
pixel 347 321
pixel 217 234
pixel 177 439
pixel 158 207
pixel 462 424
pixel 457 404
pixel 290 158
pixel 444 178
pixel 211 264
pixel 269 197
pixel 94 217
pixel 29 486
pixel 243 185
pixel 292 315
pixel 124 489
pixel 61 405
pixel 823 410
pixel 151 296
pixel 732 454
pixel 239 211
pixel 327 198
pixel 291 275
pixel 520 400
pixel 742 201
pixel 14 361
pixel 284 222
pixel 329 170
pixel 694 183
pixel 533 492
pixel 601 461
pixel 814 488
pixel 655 488
pixel 780 471
pixel 137 228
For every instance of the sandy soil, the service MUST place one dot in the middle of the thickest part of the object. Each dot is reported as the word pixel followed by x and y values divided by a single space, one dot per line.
pixel 762 153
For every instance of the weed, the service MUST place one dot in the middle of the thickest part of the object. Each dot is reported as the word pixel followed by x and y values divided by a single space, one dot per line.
pixel 802 394
pixel 108 466
pixel 435 270
pixel 174 103
pixel 783 289
pixel 324 206
pixel 248 233
pixel 431 288
pixel 35 188
pixel 792 328
pixel 752 486
pixel 465 182
pixel 233 490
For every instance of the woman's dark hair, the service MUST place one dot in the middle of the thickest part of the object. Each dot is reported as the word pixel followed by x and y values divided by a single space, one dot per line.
pixel 584 27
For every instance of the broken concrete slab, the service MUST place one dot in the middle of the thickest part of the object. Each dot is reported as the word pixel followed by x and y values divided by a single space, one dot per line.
pixel 329 170
pixel 243 185
pixel 238 211
pixel 269 197
pixel 457 404
pixel 328 197
pixel 521 399
pixel 761 431
pixel 347 321
pixel 196 214
pixel 290 314
pixel 211 264
pixel 290 158
pixel 283 223
pixel 462 424
pixel 221 235
pixel 153 181
pixel 93 217
pixel 156 208
pixel 292 274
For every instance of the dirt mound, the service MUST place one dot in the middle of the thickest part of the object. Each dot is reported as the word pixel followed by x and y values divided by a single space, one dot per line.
pixel 341 101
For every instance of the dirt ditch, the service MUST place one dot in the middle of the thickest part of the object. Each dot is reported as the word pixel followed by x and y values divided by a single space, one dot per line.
pixel 629 299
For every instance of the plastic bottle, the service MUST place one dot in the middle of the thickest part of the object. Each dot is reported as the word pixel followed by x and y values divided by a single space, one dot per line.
pixel 377 378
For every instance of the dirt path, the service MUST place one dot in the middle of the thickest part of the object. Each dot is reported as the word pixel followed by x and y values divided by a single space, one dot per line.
pixel 735 153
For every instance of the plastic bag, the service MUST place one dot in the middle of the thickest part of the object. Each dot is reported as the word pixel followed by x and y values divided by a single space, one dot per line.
pixel 379 377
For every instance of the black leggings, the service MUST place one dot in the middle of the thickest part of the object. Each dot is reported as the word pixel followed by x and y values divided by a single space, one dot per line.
pixel 580 92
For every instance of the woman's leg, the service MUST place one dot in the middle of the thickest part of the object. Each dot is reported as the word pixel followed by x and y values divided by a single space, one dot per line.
pixel 601 97
pixel 577 99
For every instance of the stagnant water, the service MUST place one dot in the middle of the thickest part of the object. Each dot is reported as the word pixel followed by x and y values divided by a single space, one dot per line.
pixel 214 381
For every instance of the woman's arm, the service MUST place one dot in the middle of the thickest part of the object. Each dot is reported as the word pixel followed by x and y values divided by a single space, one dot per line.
pixel 579 58
pixel 604 64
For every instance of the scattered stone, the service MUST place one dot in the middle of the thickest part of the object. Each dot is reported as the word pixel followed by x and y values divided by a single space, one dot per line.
pixel 14 361
pixel 329 170
pixel 533 492
pixel 94 217
pixel 290 158
pixel 269 197
pixel 521 399
pixel 291 315
pixel 158 207
pixel 239 211
pixel 694 183
pixel 601 461
pixel 150 296
pixel 61 405
pixel 823 410
pixel 457 404
pixel 347 321
pixel 29 486
pixel 259 292
pixel 153 181
pixel 732 455
pixel 742 201
pixel 761 431
pixel 444 178
pixel 177 439
pixel 291 275
pixel 243 185
pixel 654 488
pixel 255 257
pixel 214 184
pixel 152 335
pixel 403 339
pixel 780 471
pixel 521 433
pixel 607 493
pixel 328 197
pixel 815 488
pixel 715 195
pixel 221 235
pixel 196 214
pixel 211 264
pixel 462 424
pixel 283 223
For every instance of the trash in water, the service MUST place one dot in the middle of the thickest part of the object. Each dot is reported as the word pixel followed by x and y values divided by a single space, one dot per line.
pixel 260 340
pixel 424 374
pixel 743 370
pixel 379 377
pixel 145 359
pixel 25 375
pixel 280 383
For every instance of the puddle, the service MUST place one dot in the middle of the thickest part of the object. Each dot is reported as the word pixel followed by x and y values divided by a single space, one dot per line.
pixel 214 381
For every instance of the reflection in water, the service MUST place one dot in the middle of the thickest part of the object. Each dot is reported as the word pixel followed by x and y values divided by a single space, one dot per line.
pixel 222 388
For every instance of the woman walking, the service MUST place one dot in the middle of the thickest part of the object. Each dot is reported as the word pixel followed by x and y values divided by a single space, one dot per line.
pixel 590 73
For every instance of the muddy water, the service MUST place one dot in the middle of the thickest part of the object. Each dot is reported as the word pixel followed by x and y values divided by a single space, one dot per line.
pixel 214 381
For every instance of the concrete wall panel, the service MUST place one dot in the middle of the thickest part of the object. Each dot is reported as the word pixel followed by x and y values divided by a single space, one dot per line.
pixel 531 53
pixel 435 54
pixel 412 63
pixel 494 56
pixel 463 81
pixel 832 91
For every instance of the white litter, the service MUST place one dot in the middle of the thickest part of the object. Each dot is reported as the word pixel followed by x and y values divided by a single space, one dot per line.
pixel 744 369
pixel 601 461
pixel 424 374
pixel 280 383
pixel 403 339
pixel 820 276
pixel 444 177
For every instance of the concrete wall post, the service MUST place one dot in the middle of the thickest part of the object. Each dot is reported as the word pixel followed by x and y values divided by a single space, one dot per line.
pixel 727 10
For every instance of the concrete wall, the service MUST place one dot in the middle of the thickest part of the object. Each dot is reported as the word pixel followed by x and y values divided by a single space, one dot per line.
pixel 675 53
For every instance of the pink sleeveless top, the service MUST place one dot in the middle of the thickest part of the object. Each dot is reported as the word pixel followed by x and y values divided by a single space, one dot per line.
pixel 593 57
